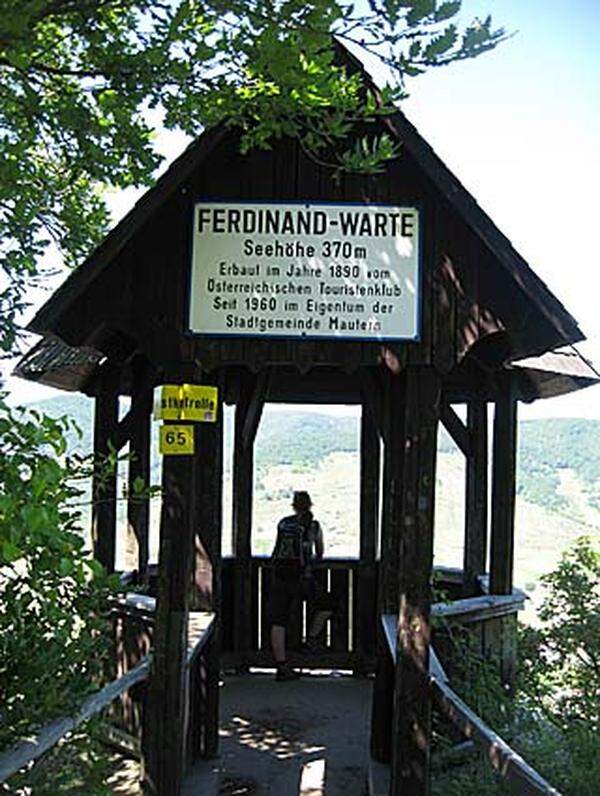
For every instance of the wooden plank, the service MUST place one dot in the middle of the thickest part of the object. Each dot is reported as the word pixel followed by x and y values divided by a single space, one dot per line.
pixel 227 604
pixel 255 618
pixel 104 482
pixel 320 576
pixel 265 606
pixel 503 490
pixel 27 751
pixel 411 725
pixel 339 619
pixel 476 510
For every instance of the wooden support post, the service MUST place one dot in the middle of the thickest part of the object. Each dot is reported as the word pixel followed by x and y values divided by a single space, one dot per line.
pixel 476 503
pixel 206 592
pixel 387 597
pixel 138 509
pixel 411 725
pixel 503 491
pixel 382 704
pixel 500 634
pixel 248 412
pixel 393 463
pixel 166 715
pixel 104 486
pixel 366 615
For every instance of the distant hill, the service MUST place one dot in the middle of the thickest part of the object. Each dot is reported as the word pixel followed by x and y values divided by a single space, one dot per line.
pixel 549 450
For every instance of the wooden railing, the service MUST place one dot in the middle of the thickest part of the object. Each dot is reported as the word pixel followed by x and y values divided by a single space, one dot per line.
pixel 348 641
pixel 200 628
pixel 516 772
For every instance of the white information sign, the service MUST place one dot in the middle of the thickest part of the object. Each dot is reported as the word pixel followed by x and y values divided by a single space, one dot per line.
pixel 306 270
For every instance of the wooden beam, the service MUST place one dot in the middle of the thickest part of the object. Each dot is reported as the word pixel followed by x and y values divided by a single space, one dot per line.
pixel 456 428
pixel 411 725
pixel 503 490
pixel 365 611
pixel 104 482
pixel 243 475
pixel 382 703
pixel 476 502
pixel 393 463
pixel 138 509
pixel 500 634
pixel 166 717
pixel 207 576
pixel 369 488
pixel 372 399
pixel 254 407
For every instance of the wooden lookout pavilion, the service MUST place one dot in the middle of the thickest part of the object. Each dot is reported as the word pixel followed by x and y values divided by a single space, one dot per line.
pixel 467 323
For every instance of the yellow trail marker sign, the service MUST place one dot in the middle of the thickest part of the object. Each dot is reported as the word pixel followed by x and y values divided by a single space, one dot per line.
pixel 176 440
pixel 186 402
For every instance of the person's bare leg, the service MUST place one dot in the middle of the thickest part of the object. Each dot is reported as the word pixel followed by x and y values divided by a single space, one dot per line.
pixel 278 643
pixel 317 624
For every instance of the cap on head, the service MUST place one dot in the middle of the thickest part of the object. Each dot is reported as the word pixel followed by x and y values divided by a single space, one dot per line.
pixel 301 501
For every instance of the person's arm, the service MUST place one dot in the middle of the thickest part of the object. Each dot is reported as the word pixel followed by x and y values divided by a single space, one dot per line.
pixel 319 543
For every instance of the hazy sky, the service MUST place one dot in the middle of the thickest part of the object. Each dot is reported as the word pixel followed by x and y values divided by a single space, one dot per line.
pixel 520 127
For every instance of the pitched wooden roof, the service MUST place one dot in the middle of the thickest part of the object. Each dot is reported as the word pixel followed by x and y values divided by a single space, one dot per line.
pixel 564 326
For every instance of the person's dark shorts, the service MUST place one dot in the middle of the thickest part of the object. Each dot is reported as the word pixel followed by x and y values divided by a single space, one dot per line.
pixel 288 588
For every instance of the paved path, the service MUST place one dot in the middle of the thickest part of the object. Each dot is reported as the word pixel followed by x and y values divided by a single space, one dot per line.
pixel 308 737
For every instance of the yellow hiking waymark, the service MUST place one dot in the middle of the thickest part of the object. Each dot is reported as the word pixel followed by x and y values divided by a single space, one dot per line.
pixel 196 402
pixel 176 440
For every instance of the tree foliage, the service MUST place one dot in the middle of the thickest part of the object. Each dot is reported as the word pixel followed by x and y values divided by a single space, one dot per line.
pixel 83 82
pixel 53 595
pixel 553 719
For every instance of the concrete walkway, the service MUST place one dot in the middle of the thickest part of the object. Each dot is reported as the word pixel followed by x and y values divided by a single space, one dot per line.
pixel 307 737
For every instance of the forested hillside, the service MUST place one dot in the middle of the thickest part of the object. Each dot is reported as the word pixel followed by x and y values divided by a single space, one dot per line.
pixel 551 452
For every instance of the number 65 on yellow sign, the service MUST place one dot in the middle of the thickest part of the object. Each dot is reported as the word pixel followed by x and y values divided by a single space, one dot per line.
pixel 176 440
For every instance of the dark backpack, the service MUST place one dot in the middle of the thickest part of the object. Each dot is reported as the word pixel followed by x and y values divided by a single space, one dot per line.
pixel 290 545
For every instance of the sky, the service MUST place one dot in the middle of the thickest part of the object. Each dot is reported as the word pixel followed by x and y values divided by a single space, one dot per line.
pixel 520 127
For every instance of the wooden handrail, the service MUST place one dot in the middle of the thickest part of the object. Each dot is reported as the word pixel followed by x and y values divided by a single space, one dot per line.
pixel 200 626
pixel 30 749
pixel 510 765
pixel 475 609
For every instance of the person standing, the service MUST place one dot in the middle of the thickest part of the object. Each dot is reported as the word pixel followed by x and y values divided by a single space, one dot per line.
pixel 299 548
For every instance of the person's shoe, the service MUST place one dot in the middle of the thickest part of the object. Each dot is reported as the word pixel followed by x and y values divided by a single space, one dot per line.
pixel 285 673
pixel 312 646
